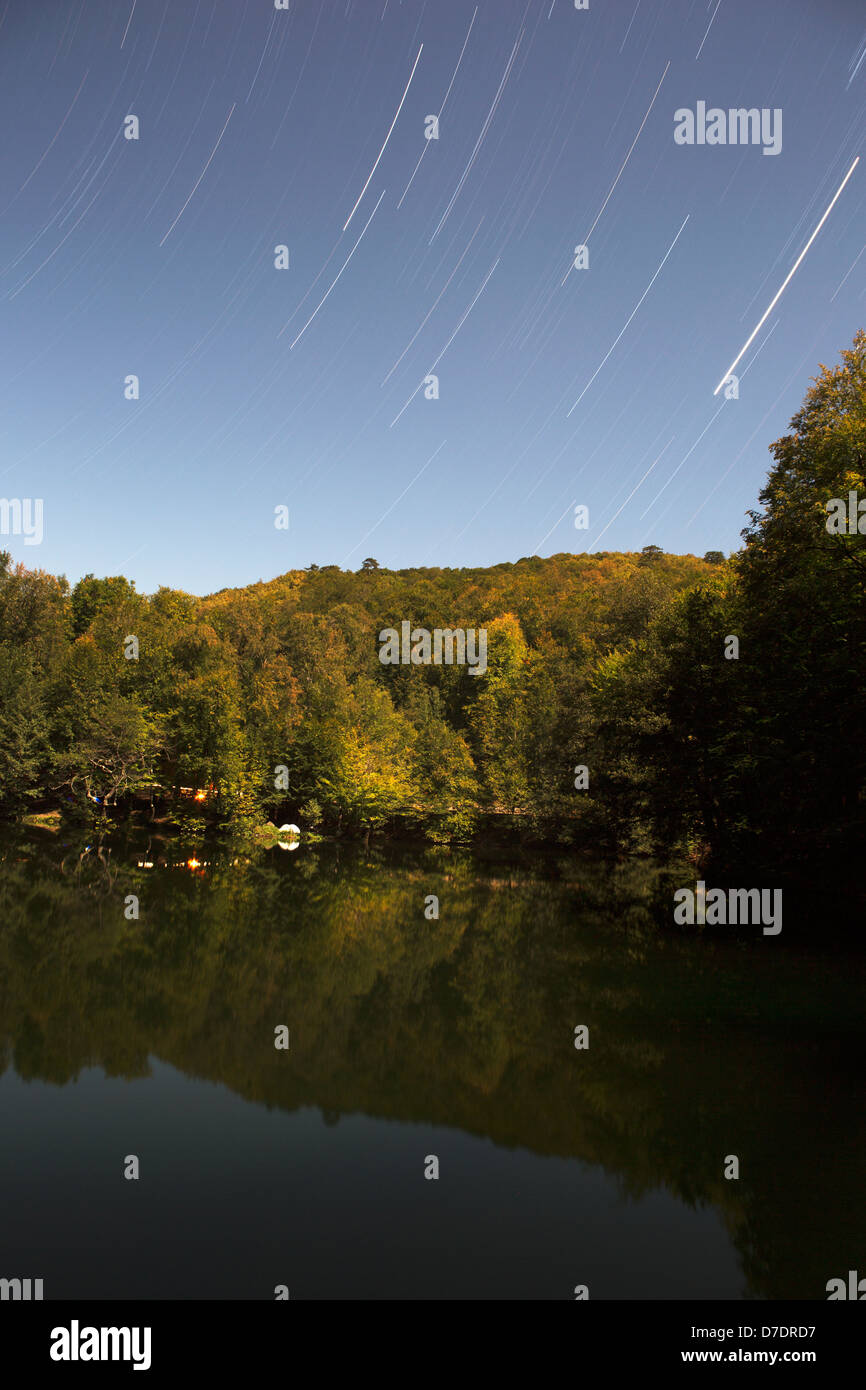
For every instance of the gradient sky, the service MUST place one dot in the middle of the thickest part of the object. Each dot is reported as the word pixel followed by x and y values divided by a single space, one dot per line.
pixel 260 127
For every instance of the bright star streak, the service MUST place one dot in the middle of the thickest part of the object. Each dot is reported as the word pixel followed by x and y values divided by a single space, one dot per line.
pixel 759 325
pixel 387 138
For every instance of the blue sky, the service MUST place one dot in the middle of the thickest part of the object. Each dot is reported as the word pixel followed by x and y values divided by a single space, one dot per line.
pixel 263 387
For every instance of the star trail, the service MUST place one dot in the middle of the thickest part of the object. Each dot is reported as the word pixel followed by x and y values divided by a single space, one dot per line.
pixel 430 347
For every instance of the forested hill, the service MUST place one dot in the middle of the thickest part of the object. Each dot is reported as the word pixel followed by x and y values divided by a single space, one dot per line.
pixel 622 699
pixel 603 597
pixel 273 698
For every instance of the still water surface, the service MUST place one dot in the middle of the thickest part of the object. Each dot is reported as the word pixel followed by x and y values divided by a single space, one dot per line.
pixel 411 1038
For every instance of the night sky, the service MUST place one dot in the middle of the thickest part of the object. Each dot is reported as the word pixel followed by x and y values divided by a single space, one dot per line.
pixel 303 387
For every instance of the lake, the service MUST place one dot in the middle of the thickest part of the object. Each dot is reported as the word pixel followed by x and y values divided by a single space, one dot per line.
pixel 412 1038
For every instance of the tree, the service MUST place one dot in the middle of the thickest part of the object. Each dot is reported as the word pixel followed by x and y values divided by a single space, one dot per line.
pixel 498 717
pixel 445 779
pixel 24 746
pixel 803 593
pixel 115 752
pixel 34 614
pixel 650 553
pixel 664 716
pixel 369 776
pixel 92 596
pixel 748 755
pixel 205 737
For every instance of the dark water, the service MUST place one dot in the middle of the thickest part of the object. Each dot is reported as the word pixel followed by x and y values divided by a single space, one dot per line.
pixel 411 1038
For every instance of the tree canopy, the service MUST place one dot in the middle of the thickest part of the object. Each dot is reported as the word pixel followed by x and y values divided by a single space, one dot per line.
pixel 714 704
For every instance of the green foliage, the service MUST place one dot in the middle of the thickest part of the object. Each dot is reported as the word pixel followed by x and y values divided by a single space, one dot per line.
pixel 92 596
pixel 114 753
pixel 24 748
pixel 618 662
pixel 758 760
pixel 650 554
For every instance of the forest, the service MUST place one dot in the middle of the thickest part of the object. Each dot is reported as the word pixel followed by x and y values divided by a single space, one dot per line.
pixel 615 711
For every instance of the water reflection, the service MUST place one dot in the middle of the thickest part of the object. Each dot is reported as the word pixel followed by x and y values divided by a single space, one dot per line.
pixel 558 1166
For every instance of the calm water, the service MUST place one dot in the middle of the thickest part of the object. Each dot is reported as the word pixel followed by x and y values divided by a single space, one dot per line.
pixel 411 1038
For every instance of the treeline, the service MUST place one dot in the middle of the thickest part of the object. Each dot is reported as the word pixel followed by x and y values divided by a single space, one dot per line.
pixel 271 700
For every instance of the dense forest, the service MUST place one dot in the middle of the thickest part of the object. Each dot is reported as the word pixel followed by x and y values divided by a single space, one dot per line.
pixel 615 709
